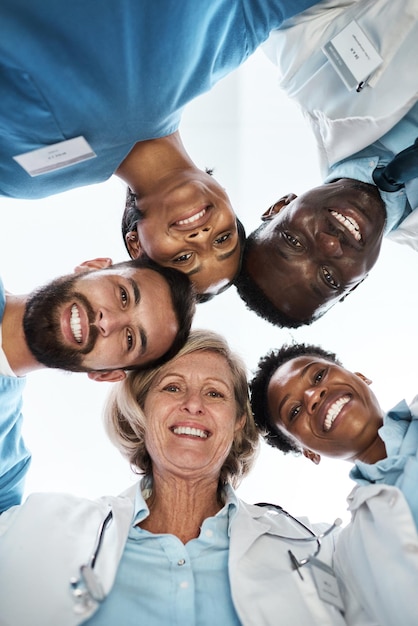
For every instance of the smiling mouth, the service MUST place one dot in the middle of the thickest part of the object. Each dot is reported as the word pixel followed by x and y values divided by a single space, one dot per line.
pixel 75 324
pixel 192 219
pixel 334 411
pixel 191 432
pixel 349 223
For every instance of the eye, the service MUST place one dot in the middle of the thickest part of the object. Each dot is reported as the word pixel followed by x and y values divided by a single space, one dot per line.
pixel 292 241
pixel 124 296
pixel 319 376
pixel 329 278
pixel 183 258
pixel 215 394
pixel 171 388
pixel 294 412
pixel 129 340
pixel 223 238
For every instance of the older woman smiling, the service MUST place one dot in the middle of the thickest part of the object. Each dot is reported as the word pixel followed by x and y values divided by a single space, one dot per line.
pixel 179 547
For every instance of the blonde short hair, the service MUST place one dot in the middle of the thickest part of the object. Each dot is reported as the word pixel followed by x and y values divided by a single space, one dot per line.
pixel 126 423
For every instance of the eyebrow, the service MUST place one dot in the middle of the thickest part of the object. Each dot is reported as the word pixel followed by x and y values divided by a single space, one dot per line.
pixel 221 257
pixel 144 340
pixel 302 375
pixel 135 289
pixel 141 331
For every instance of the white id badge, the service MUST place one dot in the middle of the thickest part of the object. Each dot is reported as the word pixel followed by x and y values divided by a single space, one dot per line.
pixel 326 583
pixel 353 56
pixel 56 156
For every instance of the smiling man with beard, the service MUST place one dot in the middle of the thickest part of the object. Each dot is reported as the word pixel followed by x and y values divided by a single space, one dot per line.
pixel 102 320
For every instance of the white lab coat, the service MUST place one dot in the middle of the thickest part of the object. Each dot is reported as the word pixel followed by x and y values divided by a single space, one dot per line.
pixel 344 122
pixel 44 542
pixel 377 558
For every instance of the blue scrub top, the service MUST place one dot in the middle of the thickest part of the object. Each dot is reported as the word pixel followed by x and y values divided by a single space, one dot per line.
pixel 114 72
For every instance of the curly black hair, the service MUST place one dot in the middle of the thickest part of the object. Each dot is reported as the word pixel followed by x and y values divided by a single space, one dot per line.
pixel 266 368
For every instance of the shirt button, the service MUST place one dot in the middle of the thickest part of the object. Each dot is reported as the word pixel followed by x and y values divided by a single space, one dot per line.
pixel 372 163
pixel 209 533
pixel 184 584
pixel 181 562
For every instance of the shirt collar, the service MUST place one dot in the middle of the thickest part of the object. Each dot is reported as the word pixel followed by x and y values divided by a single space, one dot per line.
pixel 144 490
pixel 362 168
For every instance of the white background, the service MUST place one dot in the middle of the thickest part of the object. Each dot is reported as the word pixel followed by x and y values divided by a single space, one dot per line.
pixel 260 148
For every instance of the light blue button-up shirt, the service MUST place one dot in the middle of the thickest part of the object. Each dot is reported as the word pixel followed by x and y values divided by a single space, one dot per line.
pixel 15 458
pixel 361 166
pixel 400 467
pixel 162 581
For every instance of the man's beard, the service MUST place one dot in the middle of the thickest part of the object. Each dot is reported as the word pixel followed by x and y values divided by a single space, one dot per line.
pixel 41 324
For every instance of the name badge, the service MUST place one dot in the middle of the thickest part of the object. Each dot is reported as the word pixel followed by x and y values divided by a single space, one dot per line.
pixel 353 56
pixel 326 583
pixel 55 157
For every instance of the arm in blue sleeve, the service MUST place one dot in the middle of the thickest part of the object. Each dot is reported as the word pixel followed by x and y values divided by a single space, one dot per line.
pixel 14 456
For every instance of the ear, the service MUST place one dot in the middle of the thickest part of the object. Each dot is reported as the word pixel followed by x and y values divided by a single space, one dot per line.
pixel 108 376
pixel 93 264
pixel 312 456
pixel 363 378
pixel 277 207
pixel 134 247
pixel 240 423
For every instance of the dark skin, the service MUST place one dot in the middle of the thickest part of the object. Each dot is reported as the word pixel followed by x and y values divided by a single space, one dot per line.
pixel 318 247
pixel 327 410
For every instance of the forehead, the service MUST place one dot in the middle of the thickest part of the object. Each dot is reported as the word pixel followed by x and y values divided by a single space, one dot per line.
pixel 296 370
pixel 200 364
pixel 291 283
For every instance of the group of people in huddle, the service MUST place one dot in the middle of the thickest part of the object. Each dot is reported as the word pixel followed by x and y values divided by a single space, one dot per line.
pixel 93 89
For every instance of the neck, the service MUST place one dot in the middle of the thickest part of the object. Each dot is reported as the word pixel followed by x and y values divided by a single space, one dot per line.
pixel 375 452
pixel 179 507
pixel 151 162
pixel 14 345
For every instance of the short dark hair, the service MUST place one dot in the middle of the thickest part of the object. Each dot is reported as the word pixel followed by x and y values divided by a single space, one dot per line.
pixel 266 368
pixel 255 299
pixel 132 215
pixel 183 298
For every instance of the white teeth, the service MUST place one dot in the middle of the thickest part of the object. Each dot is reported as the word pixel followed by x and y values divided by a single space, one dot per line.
pixel 349 223
pixel 192 219
pixel 187 430
pixel 75 324
pixel 334 411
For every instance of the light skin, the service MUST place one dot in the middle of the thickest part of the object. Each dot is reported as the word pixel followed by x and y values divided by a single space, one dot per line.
pixel 318 247
pixel 187 219
pixel 194 392
pixel 129 328
pixel 326 410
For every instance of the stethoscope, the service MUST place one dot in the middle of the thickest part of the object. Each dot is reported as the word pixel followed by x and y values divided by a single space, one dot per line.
pixel 87 588
pixel 298 563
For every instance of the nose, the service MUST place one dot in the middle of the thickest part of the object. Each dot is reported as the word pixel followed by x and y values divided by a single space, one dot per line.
pixel 329 245
pixel 200 235
pixel 312 397
pixel 107 321
pixel 193 403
